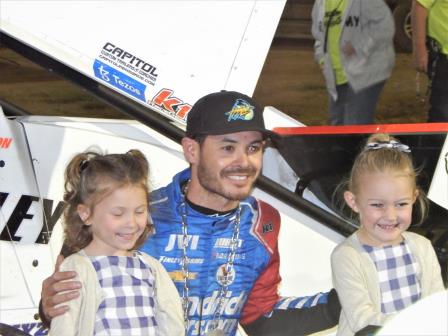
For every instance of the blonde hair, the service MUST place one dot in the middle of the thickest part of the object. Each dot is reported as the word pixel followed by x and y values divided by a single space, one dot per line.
pixel 91 176
pixel 384 153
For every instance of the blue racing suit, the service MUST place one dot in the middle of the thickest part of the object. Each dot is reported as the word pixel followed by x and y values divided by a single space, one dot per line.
pixel 252 292
pixel 252 297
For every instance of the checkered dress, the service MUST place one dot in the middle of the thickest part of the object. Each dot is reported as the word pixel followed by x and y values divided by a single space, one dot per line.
pixel 129 306
pixel 397 274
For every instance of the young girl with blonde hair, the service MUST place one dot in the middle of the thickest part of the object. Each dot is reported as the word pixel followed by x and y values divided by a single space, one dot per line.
pixel 381 268
pixel 123 292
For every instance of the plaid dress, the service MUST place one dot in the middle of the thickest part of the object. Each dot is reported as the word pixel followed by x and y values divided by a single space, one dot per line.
pixel 397 273
pixel 129 305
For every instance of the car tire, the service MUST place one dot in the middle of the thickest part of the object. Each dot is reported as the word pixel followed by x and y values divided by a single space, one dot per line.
pixel 403 29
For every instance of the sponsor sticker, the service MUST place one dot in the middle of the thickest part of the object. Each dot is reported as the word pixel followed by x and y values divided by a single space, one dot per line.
pixel 166 101
pixel 128 63
pixel 5 142
pixel 119 80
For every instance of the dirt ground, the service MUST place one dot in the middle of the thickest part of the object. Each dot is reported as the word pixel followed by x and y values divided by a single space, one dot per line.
pixel 289 81
pixel 292 82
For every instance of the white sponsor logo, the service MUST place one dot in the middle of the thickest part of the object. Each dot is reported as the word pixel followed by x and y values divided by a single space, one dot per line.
pixel 230 305
pixel 225 242
pixel 201 327
pixel 176 260
pixel 177 240
pixel 225 255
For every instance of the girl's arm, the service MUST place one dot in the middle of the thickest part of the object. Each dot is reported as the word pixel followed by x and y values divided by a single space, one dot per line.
pixel 67 323
pixel 436 276
pixel 352 286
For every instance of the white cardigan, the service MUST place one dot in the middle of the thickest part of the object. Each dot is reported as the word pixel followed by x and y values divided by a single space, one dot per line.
pixel 355 279
pixel 80 318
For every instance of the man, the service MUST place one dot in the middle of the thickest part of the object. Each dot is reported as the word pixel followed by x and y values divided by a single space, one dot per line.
pixel 430 52
pixel 218 243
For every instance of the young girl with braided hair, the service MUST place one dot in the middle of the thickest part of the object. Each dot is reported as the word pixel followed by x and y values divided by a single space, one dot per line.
pixel 381 268
pixel 124 292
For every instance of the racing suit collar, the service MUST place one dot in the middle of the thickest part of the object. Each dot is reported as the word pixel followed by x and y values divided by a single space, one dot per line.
pixel 208 211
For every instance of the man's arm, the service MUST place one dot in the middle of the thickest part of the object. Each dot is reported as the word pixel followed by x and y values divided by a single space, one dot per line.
pixel 316 313
pixel 50 297
pixel 265 313
pixel 419 15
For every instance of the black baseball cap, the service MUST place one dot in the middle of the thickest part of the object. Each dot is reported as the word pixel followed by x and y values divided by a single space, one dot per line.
pixel 225 112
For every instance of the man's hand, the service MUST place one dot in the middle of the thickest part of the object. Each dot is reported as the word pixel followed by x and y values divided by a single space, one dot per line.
pixel 348 49
pixel 56 289
pixel 420 58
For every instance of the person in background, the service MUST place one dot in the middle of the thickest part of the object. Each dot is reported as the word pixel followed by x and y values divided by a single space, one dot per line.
pixel 124 292
pixel 382 268
pixel 219 243
pixel 354 47
pixel 430 52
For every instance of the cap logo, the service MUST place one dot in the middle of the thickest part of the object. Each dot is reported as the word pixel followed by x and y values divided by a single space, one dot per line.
pixel 241 110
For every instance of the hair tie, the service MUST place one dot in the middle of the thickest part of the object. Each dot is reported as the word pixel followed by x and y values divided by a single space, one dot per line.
pixel 392 144
pixel 83 165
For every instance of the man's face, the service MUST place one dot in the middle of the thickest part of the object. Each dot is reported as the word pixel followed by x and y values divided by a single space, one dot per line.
pixel 229 164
